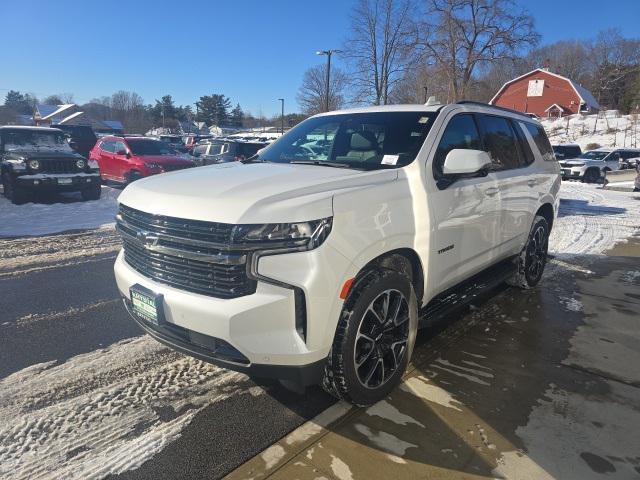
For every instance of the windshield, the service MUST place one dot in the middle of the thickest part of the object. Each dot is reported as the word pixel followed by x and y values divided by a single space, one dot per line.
pixel 149 147
pixel 594 155
pixel 365 141
pixel 34 139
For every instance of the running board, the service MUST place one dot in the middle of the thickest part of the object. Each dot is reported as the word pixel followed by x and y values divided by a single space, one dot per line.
pixel 464 293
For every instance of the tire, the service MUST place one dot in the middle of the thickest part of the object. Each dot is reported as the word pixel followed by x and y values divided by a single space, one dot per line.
pixel 533 258
pixel 12 192
pixel 368 356
pixel 132 177
pixel 92 193
pixel 592 175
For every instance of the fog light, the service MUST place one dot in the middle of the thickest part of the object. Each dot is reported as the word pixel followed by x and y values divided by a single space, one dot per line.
pixel 88 180
pixel 36 182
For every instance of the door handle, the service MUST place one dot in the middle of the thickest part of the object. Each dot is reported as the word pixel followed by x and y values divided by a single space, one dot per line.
pixel 531 182
pixel 491 191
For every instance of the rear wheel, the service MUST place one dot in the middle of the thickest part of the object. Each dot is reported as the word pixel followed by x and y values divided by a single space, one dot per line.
pixel 13 192
pixel 374 338
pixel 532 260
pixel 92 193
pixel 592 175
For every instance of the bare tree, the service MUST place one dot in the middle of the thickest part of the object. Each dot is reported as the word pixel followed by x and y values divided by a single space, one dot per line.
pixel 462 36
pixel 311 96
pixel 379 49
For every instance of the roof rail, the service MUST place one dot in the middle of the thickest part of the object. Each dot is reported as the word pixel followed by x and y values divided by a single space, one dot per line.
pixel 482 104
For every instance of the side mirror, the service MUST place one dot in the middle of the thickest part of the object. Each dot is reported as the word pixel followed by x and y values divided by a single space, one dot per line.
pixel 465 162
pixel 123 152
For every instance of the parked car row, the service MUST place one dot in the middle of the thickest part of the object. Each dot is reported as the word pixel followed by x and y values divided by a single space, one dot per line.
pixel 590 167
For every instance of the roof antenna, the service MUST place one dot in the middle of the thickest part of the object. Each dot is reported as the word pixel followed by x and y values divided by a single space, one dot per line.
pixel 432 101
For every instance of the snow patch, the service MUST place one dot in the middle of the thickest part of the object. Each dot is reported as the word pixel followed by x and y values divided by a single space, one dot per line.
pixel 386 441
pixel 384 409
pixel 42 219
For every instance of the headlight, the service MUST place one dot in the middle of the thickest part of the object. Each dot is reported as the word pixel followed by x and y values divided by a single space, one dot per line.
pixel 302 235
pixel 17 163
pixel 81 164
pixel 152 165
pixel 34 164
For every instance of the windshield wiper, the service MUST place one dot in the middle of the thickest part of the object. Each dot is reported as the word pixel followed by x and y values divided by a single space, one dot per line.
pixel 253 159
pixel 321 163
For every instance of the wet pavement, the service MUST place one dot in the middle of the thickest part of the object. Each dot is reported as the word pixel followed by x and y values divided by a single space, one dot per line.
pixel 534 384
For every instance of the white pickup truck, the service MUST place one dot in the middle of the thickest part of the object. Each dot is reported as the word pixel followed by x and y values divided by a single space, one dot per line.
pixel 316 260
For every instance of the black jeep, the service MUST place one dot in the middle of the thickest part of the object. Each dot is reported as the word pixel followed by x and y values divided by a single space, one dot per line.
pixel 38 159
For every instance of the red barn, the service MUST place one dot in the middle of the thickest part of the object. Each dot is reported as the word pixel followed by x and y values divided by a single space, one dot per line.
pixel 545 94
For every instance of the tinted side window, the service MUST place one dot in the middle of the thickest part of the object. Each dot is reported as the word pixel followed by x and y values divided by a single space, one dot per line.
pixel 461 132
pixel 500 142
pixel 525 148
pixel 200 150
pixel 119 146
pixel 107 146
pixel 541 141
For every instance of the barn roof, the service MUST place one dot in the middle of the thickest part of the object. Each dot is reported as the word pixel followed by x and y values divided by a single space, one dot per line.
pixel 585 95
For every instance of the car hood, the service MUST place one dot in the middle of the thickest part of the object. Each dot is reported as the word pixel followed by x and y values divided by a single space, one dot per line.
pixel 164 159
pixel 248 193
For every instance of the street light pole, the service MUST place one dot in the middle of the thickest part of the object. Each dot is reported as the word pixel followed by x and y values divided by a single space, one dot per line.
pixel 328 53
pixel 282 116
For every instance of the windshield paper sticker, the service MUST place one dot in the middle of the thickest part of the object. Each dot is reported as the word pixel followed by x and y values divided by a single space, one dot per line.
pixel 390 159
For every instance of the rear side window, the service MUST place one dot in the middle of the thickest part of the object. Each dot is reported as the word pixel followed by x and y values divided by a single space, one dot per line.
pixel 500 142
pixel 461 132
pixel 525 148
pixel 541 141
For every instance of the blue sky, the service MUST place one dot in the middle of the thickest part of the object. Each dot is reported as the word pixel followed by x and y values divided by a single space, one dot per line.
pixel 252 51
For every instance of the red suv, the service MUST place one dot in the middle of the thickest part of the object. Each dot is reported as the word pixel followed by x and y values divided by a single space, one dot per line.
pixel 125 159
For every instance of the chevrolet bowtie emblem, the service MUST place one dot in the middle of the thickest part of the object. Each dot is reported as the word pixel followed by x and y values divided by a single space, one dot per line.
pixel 148 239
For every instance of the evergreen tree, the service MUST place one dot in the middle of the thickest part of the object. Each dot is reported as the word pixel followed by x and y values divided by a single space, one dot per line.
pixel 237 117
pixel 214 109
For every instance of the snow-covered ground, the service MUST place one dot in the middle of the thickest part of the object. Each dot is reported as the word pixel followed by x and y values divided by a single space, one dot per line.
pixel 71 213
pixel 608 129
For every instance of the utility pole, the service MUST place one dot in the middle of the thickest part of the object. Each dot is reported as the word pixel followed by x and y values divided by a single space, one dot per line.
pixel 426 90
pixel 282 116
pixel 328 53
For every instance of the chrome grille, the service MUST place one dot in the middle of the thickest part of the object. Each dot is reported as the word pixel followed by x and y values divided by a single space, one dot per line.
pixel 184 254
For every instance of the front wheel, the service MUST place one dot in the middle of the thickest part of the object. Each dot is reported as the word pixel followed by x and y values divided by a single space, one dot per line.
pixel 92 193
pixel 13 192
pixel 374 338
pixel 532 260
pixel 592 175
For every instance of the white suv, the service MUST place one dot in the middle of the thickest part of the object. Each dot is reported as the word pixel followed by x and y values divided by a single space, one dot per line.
pixel 316 260
pixel 591 166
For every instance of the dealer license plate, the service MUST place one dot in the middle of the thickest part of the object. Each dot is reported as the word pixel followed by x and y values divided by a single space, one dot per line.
pixel 145 304
pixel 65 181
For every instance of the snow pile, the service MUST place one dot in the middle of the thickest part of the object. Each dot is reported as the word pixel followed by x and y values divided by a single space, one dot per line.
pixel 607 129
pixel 73 214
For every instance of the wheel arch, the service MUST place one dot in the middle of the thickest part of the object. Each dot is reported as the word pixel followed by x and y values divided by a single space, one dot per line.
pixel 546 211
pixel 403 260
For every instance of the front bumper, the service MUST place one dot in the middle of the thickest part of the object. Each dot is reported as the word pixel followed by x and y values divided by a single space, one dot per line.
pixel 256 333
pixel 58 182
pixel 571 173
